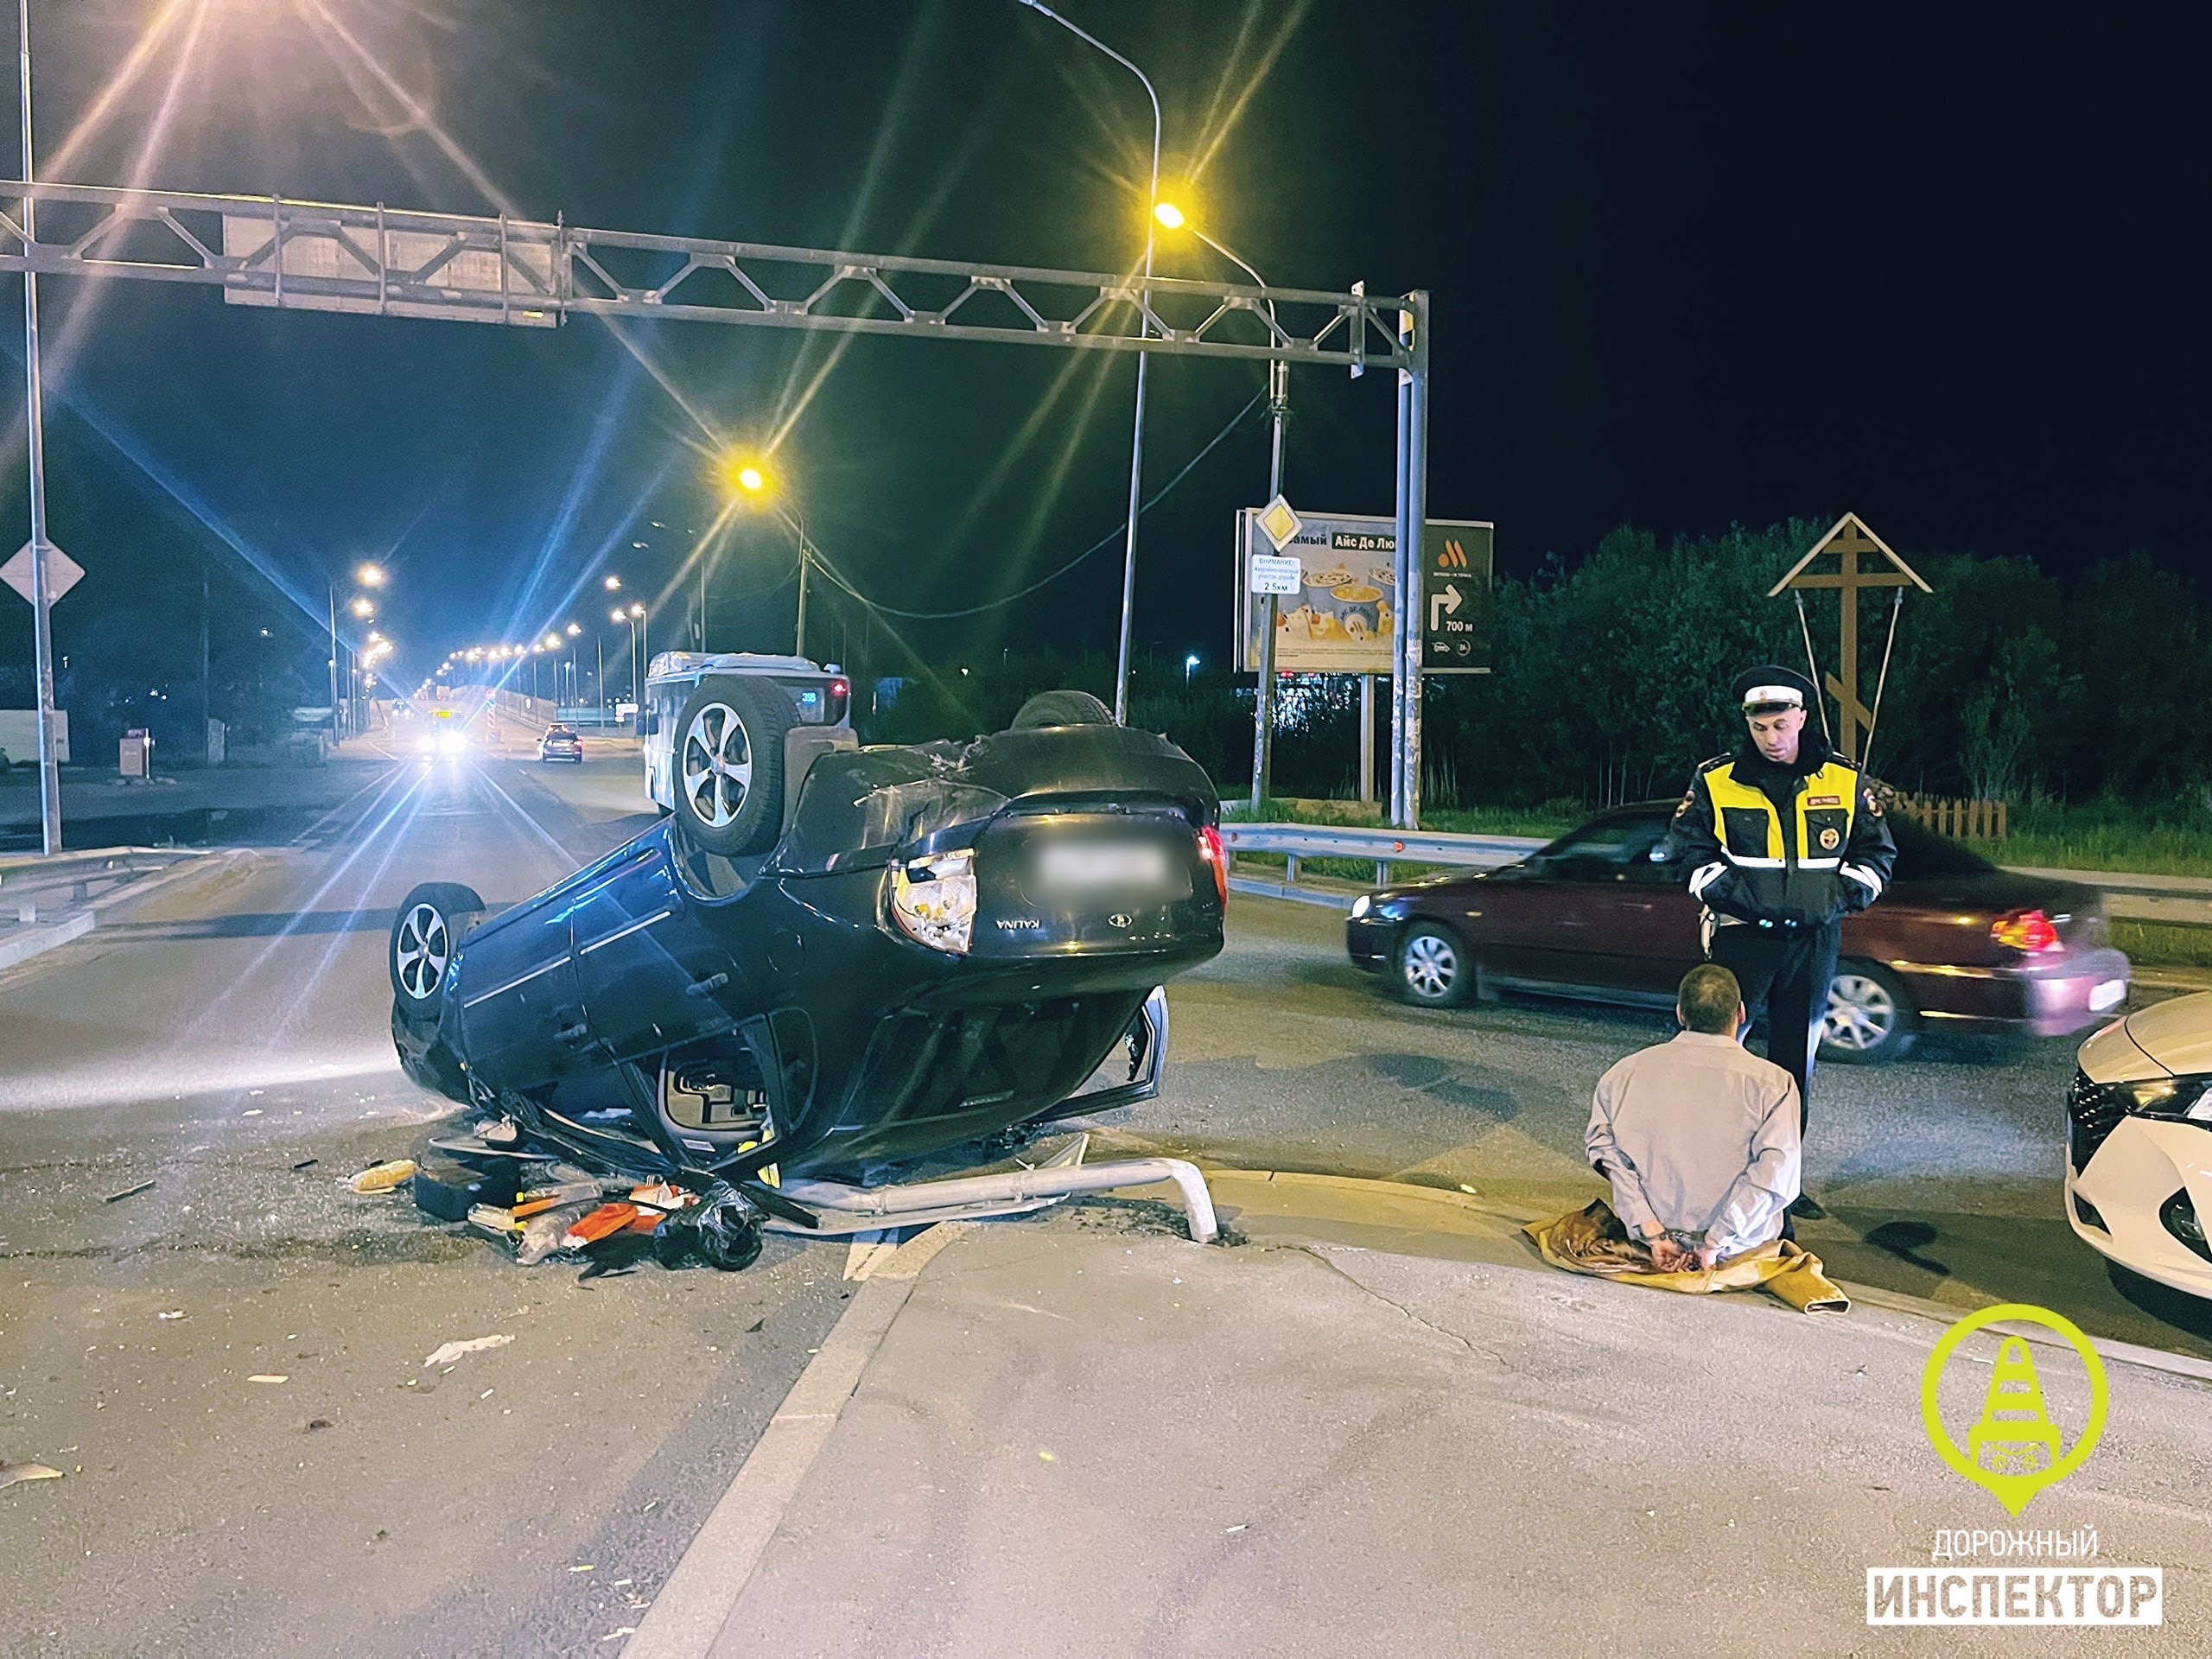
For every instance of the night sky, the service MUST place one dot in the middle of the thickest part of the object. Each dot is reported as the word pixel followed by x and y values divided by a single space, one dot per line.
pixel 1690 265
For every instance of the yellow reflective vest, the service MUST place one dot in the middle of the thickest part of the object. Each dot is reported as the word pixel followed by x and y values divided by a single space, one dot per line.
pixel 1747 859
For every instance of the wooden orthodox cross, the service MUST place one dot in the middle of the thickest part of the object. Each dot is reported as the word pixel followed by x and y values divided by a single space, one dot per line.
pixel 1849 540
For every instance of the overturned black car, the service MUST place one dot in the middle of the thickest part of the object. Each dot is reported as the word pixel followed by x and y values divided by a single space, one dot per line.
pixel 944 942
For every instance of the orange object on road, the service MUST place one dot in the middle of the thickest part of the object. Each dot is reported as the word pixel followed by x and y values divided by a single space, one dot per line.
pixel 607 1218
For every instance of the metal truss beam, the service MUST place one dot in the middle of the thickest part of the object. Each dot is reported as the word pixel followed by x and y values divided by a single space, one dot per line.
pixel 325 256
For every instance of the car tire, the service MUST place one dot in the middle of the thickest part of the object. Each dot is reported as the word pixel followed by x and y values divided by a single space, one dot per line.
pixel 1049 708
pixel 727 769
pixel 1870 1017
pixel 433 919
pixel 1433 967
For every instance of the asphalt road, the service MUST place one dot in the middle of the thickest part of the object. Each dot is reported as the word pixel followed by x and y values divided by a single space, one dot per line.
pixel 1942 1172
pixel 212 1040
pixel 227 1031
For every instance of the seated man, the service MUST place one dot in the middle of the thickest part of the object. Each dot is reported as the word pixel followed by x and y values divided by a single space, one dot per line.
pixel 1699 1136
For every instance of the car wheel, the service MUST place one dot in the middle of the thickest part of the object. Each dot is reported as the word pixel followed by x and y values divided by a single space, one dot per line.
pixel 1869 1020
pixel 433 919
pixel 1433 967
pixel 1049 708
pixel 729 765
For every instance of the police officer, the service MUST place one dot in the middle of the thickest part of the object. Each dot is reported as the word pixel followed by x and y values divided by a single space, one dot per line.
pixel 1781 841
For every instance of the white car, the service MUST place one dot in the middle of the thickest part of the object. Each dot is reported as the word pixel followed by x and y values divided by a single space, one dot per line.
pixel 2139 1164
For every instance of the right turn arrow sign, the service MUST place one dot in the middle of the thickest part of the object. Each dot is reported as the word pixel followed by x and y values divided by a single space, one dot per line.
pixel 1444 604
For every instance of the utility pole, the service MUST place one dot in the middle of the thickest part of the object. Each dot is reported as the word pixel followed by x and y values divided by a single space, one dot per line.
pixel 49 764
pixel 1263 711
pixel 799 639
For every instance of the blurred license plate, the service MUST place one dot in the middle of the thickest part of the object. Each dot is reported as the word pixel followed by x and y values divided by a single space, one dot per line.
pixel 2107 993
pixel 1075 866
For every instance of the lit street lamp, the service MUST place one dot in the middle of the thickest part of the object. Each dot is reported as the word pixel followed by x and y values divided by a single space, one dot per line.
pixel 364 575
pixel 754 482
pixel 1144 328
pixel 1190 667
pixel 1263 715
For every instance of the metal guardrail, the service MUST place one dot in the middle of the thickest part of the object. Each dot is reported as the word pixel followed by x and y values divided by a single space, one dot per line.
pixel 1295 841
pixel 33 875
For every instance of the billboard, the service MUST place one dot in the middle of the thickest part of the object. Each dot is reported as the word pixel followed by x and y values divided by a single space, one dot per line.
pixel 1343 618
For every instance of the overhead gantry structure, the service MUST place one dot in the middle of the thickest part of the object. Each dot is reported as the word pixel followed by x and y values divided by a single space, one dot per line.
pixel 311 256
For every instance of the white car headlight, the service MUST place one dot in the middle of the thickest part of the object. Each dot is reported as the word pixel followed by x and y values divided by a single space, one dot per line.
pixel 934 899
pixel 1362 905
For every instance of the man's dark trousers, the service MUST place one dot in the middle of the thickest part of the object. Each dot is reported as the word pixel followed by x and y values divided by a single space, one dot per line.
pixel 1786 971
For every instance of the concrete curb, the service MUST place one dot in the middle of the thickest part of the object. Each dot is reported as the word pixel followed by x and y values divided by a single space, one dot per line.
pixel 692 1607
pixel 87 917
pixel 1337 1197
pixel 37 941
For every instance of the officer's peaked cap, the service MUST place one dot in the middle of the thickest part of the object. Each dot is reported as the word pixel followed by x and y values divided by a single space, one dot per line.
pixel 1767 690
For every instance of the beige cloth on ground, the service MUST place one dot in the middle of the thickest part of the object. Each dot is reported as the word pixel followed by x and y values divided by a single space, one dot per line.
pixel 1592 1241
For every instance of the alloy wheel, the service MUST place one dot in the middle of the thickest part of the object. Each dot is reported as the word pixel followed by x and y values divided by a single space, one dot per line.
pixel 1431 966
pixel 716 764
pixel 1861 1014
pixel 421 950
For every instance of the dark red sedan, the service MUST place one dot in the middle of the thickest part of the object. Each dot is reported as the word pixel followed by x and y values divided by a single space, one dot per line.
pixel 1956 945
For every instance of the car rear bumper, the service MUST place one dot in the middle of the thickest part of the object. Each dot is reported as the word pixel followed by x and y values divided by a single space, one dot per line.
pixel 2128 1185
pixel 2049 1003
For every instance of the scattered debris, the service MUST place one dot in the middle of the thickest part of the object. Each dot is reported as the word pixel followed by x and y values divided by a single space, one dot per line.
pixel 1239 1527
pixel 313 1423
pixel 756 1324
pixel 616 1636
pixel 602 1223
pixel 384 1178
pixel 268 1376
pixel 12 1472
pixel 174 1314
pixel 543 1233
pixel 450 1351
pixel 586 1567
pixel 307 1163
pixel 129 1193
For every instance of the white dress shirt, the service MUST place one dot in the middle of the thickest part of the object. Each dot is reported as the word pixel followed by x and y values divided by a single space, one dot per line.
pixel 1700 1135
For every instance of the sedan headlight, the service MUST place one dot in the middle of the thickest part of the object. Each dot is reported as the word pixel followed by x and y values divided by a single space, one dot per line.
pixel 2182 1097
pixel 1361 906
pixel 934 899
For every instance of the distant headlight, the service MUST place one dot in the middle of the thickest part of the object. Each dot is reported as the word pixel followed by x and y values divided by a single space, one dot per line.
pixel 1361 906
pixel 451 743
pixel 934 899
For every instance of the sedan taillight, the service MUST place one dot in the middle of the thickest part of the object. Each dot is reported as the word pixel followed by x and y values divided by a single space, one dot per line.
pixel 934 899
pixel 2026 930
pixel 1210 850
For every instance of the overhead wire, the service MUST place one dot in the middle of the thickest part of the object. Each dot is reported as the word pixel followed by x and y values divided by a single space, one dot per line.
pixel 1107 540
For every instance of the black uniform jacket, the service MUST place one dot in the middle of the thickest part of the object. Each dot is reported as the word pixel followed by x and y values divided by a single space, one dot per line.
pixel 1801 845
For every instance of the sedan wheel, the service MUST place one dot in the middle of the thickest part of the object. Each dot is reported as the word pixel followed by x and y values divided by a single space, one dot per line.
pixel 421 950
pixel 1869 1017
pixel 432 920
pixel 1432 968
pixel 717 765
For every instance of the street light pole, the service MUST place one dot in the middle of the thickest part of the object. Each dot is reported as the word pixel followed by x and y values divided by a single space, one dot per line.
pixel 49 764
pixel 799 644
pixel 334 732
pixel 1263 702
pixel 1144 328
